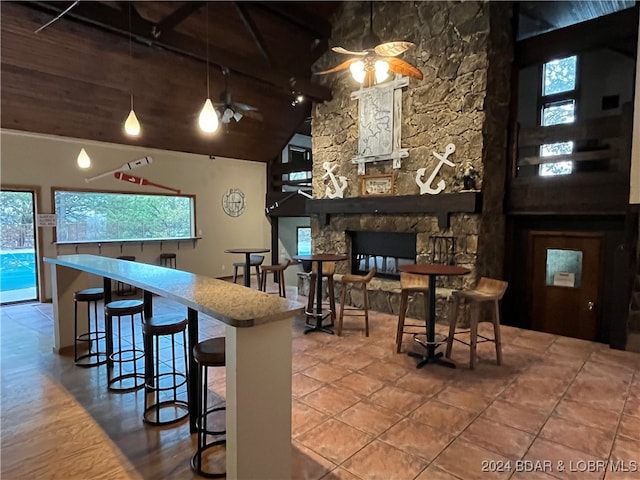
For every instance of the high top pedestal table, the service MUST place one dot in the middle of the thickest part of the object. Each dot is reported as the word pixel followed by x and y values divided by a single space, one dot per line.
pixel 247 260
pixel 319 258
pixel 432 270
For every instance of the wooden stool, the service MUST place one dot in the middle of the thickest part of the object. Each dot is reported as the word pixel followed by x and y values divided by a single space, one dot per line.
pixel 161 409
pixel 124 289
pixel 278 271
pixel 93 357
pixel 328 270
pixel 208 353
pixel 123 380
pixel 411 284
pixel 356 280
pixel 487 290
pixel 254 261
pixel 168 260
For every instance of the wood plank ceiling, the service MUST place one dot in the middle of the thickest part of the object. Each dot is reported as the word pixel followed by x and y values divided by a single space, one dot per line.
pixel 75 77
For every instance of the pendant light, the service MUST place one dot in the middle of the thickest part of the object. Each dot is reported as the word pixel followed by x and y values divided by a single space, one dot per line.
pixel 83 160
pixel 131 125
pixel 208 119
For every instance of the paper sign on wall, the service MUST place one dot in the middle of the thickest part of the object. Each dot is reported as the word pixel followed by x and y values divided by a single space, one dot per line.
pixel 564 279
pixel 46 220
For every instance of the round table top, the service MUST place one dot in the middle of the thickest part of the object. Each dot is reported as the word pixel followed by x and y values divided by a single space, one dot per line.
pixel 247 250
pixel 433 269
pixel 321 257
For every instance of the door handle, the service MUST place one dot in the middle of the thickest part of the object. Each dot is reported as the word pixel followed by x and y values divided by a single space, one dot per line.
pixel 590 306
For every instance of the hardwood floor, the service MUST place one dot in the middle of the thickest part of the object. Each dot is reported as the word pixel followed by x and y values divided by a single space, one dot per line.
pixel 360 411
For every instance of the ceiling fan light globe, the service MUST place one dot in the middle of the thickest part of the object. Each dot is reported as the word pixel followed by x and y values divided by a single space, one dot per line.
pixel 208 120
pixel 237 116
pixel 132 125
pixel 382 71
pixel 357 71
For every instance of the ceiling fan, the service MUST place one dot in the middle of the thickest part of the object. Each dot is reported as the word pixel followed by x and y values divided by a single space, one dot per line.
pixel 230 109
pixel 372 64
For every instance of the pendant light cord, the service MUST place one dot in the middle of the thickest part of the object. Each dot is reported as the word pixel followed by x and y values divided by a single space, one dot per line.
pixel 371 17
pixel 130 60
pixel 207 30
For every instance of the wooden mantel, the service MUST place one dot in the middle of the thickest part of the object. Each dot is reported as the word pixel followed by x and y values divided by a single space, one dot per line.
pixel 441 205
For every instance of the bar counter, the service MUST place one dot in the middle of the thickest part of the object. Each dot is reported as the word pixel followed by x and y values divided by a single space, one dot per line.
pixel 258 349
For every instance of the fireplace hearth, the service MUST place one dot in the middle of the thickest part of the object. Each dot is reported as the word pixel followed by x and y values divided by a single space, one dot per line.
pixel 385 251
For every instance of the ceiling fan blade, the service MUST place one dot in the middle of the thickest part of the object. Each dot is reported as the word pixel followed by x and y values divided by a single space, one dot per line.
pixel 397 65
pixel 244 107
pixel 254 114
pixel 393 49
pixel 342 66
pixel 349 52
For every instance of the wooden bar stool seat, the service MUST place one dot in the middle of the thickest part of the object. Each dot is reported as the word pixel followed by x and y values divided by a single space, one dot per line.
pixel 208 353
pixel 91 338
pixel 363 281
pixel 411 284
pixel 328 270
pixel 164 403
pixel 278 271
pixel 487 290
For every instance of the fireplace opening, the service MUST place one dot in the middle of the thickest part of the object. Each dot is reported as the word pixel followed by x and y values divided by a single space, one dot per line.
pixel 385 251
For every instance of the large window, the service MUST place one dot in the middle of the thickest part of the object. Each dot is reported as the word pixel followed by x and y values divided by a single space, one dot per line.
pixel 100 217
pixel 303 241
pixel 558 105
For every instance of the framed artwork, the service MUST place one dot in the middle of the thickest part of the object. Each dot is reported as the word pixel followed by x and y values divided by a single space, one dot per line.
pixel 377 185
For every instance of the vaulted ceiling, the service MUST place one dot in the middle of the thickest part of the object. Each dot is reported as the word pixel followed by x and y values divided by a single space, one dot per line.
pixel 74 77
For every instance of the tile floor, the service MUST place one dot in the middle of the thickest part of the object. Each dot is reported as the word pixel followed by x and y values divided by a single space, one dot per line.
pixel 557 408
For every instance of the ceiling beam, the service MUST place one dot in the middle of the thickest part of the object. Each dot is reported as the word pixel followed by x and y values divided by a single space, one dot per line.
pixel 179 15
pixel 294 15
pixel 116 21
pixel 253 31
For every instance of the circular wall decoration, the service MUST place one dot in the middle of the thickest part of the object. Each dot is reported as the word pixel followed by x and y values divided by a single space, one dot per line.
pixel 233 202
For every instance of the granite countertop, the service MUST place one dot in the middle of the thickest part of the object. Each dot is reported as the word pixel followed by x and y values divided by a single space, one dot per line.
pixel 228 302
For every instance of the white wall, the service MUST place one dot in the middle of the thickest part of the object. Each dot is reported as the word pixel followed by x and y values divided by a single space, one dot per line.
pixel 287 230
pixel 49 161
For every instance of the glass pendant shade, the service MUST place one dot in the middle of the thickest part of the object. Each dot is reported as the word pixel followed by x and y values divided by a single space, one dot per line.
pixel 208 120
pixel 83 159
pixel 382 71
pixel 357 71
pixel 132 125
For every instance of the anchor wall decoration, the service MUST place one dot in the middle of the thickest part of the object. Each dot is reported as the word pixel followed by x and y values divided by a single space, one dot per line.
pixel 425 187
pixel 339 188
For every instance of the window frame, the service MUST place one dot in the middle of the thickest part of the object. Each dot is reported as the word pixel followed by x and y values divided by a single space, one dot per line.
pixel 298 228
pixel 192 198
pixel 545 101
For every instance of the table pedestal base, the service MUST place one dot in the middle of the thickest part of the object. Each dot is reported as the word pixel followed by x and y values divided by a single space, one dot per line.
pixel 432 358
pixel 318 326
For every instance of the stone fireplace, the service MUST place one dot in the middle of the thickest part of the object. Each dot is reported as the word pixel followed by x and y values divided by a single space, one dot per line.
pixel 464 50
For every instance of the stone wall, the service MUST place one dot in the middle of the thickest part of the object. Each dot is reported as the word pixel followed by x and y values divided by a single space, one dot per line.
pixel 464 51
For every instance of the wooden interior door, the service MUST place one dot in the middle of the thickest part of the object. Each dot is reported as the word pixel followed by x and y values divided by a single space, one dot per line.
pixel 564 285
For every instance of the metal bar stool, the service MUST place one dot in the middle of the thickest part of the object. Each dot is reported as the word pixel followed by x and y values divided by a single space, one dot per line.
pixel 124 289
pixel 208 353
pixel 328 269
pixel 168 260
pixel 487 290
pixel 160 408
pixel 254 261
pixel 93 357
pixel 124 380
pixel 278 271
pixel 364 311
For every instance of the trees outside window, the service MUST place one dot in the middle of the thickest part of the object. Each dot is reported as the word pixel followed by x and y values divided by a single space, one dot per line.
pixel 558 105
pixel 100 216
